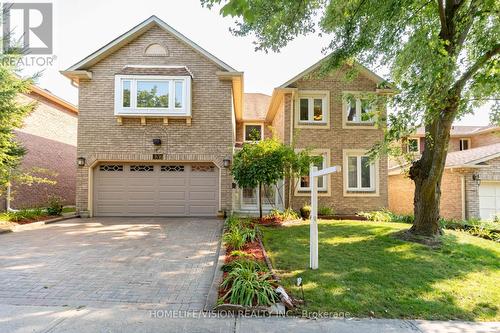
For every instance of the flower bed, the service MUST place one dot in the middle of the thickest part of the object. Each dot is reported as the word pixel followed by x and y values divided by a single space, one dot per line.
pixel 247 283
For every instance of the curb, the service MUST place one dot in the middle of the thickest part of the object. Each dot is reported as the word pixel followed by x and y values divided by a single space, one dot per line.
pixel 213 293
pixel 268 261
pixel 35 225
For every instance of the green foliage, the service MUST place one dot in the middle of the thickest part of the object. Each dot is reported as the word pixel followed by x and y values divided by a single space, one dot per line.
pixel 12 113
pixel 54 205
pixel 285 215
pixel 23 214
pixel 326 211
pixel 249 287
pixel 245 263
pixel 233 238
pixel 377 216
pixel 305 212
pixel 239 254
pixel 267 161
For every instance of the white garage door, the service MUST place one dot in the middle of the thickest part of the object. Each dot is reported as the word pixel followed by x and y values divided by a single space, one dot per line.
pixel 150 189
pixel 489 200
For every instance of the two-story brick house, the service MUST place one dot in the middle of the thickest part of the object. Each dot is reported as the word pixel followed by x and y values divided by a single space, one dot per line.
pixel 160 117
pixel 471 181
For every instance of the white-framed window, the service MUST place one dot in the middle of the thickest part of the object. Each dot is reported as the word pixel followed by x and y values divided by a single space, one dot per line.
pixel 312 108
pixel 412 145
pixel 465 144
pixel 304 183
pixel 358 110
pixel 151 95
pixel 249 197
pixel 360 174
pixel 253 132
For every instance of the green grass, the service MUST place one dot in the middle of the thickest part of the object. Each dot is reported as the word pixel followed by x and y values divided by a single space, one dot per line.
pixel 363 270
pixel 69 209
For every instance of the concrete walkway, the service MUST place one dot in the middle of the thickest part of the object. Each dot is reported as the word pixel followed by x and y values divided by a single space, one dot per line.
pixel 38 319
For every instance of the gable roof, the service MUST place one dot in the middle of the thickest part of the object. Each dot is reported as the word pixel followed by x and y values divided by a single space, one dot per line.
pixel 362 69
pixel 53 98
pixel 256 106
pixel 132 34
pixel 472 157
pixel 458 131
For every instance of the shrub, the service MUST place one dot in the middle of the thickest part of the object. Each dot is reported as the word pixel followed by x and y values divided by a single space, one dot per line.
pixel 23 214
pixel 305 212
pixel 234 239
pixel 402 218
pixel 325 210
pixel 377 216
pixel 285 215
pixel 248 287
pixel 54 205
pixel 244 263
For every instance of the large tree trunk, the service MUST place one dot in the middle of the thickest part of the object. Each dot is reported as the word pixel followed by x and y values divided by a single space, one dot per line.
pixel 427 173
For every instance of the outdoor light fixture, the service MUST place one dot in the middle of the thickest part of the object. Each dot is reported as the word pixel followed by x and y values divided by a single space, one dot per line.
pixel 476 178
pixel 157 142
pixel 80 161
pixel 226 162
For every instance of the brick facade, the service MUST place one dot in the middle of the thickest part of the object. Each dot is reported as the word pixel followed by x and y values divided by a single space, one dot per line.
pixel 49 136
pixel 335 139
pixel 209 138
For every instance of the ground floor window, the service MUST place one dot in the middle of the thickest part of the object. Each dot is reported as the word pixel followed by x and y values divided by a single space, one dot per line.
pixel 250 196
pixel 360 173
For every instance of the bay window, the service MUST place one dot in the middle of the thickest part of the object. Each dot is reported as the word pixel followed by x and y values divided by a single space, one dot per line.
pixel 152 95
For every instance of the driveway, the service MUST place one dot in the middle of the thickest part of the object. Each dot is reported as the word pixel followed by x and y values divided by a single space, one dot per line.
pixel 167 262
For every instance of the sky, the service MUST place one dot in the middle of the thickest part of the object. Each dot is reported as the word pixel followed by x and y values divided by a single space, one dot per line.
pixel 83 26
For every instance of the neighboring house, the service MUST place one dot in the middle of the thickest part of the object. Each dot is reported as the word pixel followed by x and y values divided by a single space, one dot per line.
pixel 470 187
pixel 49 136
pixel 160 119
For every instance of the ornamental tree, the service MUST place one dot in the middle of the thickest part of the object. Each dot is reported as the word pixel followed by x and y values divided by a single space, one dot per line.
pixel 266 162
pixel 443 58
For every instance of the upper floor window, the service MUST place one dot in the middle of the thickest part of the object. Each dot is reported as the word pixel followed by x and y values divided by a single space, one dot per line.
pixel 312 108
pixel 152 95
pixel 253 132
pixel 412 145
pixel 358 110
pixel 464 144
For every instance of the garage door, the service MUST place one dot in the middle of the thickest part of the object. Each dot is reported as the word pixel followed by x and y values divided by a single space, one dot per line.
pixel 489 200
pixel 149 189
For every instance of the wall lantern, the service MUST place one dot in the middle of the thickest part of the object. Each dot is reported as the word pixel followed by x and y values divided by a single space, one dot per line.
pixel 157 142
pixel 80 161
pixel 476 178
pixel 226 162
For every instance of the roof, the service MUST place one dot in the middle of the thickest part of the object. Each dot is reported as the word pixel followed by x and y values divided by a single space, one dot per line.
pixel 132 34
pixel 53 98
pixel 362 69
pixel 256 106
pixel 156 70
pixel 462 130
pixel 472 157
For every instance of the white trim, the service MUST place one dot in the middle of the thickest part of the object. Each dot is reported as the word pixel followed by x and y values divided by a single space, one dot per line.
pixel 253 124
pixel 137 31
pixel 362 69
pixel 326 189
pixel 160 66
pixel 133 110
pixel 324 95
pixel 361 124
pixel 374 175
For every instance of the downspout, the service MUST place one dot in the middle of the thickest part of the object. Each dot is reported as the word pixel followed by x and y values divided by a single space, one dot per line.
pixel 462 181
pixel 292 115
pixel 8 198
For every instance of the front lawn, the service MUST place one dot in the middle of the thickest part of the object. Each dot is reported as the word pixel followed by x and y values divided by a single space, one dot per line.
pixel 365 271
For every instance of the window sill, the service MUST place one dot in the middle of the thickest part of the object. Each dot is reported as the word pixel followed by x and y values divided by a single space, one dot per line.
pixel 360 125
pixel 351 193
pixel 119 118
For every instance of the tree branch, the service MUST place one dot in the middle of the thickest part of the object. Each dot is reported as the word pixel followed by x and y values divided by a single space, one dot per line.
pixel 442 16
pixel 458 86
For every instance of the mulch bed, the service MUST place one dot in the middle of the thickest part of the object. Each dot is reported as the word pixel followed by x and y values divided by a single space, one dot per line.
pixel 37 219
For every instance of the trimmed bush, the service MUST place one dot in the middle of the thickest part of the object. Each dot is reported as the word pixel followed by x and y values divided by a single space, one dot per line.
pixel 305 212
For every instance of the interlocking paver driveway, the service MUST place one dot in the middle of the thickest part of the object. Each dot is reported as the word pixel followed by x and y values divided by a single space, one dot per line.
pixel 162 261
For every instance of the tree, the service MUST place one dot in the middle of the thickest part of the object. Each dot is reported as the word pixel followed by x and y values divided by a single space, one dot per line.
pixel 12 113
pixel 266 162
pixel 443 57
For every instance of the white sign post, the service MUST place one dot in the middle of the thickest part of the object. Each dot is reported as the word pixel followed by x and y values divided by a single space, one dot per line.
pixel 313 242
